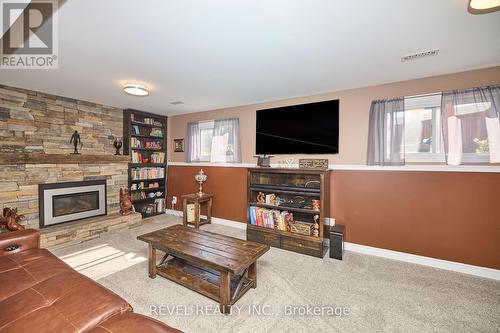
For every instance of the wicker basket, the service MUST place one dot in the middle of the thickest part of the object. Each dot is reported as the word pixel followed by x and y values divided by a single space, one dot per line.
pixel 302 228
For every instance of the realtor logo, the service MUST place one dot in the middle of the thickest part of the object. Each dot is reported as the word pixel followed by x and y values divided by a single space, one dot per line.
pixel 29 34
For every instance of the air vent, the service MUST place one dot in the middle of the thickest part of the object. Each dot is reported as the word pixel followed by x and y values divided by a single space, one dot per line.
pixel 420 55
pixel 177 103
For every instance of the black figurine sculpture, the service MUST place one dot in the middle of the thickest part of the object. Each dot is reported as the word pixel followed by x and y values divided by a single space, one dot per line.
pixel 118 144
pixel 75 139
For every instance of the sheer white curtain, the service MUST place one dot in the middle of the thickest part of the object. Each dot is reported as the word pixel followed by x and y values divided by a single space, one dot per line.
pixel 471 126
pixel 220 141
pixel 226 141
pixel 386 132
pixel 193 142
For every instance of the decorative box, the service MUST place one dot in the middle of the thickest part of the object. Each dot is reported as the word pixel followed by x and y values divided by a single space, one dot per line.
pixel 302 228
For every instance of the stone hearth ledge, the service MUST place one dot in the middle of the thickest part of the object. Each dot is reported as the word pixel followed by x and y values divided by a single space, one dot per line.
pixel 83 230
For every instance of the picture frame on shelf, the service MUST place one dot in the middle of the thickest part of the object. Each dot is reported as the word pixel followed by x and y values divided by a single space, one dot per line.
pixel 178 145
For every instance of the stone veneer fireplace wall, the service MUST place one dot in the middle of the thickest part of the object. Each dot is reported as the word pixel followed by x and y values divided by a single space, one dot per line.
pixel 34 122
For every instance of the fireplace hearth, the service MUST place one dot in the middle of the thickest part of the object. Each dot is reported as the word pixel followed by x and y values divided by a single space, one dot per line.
pixel 71 201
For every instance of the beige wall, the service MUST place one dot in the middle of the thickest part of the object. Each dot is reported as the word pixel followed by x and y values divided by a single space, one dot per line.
pixel 354 109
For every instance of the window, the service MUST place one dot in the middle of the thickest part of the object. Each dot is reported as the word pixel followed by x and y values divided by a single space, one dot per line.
pixel 454 127
pixel 206 136
pixel 472 118
pixel 423 138
pixel 214 141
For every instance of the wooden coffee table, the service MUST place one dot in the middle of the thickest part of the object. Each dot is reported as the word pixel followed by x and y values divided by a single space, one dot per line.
pixel 217 266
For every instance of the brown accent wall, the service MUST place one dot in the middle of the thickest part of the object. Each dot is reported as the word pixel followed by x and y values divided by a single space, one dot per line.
pixel 354 109
pixel 229 186
pixel 446 215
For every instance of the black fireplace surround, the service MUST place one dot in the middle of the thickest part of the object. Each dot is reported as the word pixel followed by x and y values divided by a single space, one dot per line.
pixel 71 201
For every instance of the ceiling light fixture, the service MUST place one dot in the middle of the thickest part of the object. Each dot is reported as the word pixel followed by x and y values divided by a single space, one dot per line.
pixel 136 89
pixel 483 6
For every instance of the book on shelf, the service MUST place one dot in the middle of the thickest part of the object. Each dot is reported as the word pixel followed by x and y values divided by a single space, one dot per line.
pixel 152 121
pixel 190 213
pixel 138 196
pixel 158 206
pixel 145 120
pixel 135 143
pixel 141 173
pixel 156 157
pixel 135 130
pixel 145 143
pixel 136 157
pixel 269 218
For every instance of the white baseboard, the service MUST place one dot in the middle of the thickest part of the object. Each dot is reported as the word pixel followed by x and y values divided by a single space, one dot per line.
pixel 215 220
pixel 229 223
pixel 173 212
pixel 484 272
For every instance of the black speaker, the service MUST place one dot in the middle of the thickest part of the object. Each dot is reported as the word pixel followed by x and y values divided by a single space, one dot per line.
pixel 337 241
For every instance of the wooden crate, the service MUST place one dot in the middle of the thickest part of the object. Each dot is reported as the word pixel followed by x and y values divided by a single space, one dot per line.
pixel 302 228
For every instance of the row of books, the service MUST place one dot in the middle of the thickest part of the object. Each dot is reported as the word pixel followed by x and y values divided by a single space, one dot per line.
pixel 138 196
pixel 147 173
pixel 156 132
pixel 147 121
pixel 156 157
pixel 157 207
pixel 135 130
pixel 270 218
pixel 136 143
pixel 160 205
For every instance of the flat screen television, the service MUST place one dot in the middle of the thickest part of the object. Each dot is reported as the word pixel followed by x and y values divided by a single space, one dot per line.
pixel 299 129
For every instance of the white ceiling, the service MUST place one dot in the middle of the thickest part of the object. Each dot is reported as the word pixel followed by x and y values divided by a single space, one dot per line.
pixel 221 53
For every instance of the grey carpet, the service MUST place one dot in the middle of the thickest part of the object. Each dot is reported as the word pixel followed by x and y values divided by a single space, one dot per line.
pixel 380 295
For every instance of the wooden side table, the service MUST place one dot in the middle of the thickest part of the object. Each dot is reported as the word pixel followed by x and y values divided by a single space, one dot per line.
pixel 197 200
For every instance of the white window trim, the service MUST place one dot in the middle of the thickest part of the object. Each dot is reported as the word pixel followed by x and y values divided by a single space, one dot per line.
pixel 425 157
pixel 206 124
pixel 420 102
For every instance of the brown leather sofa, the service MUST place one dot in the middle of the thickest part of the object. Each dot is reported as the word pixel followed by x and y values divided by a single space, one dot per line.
pixel 40 293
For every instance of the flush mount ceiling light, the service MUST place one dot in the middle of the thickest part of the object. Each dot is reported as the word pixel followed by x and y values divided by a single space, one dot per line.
pixel 483 6
pixel 136 89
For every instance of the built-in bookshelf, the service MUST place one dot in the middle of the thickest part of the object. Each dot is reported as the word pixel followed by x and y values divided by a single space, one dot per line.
pixel 145 141
pixel 287 208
